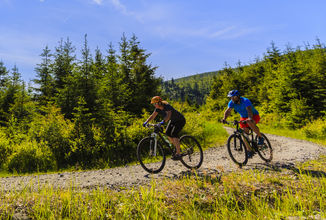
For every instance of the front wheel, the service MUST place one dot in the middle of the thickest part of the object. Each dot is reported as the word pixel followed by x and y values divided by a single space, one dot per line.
pixel 265 151
pixel 237 150
pixel 150 157
pixel 191 151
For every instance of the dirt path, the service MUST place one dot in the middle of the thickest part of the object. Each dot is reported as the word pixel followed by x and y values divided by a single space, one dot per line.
pixel 287 152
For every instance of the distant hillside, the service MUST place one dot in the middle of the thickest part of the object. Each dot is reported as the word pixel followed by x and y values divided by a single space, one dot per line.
pixel 289 84
pixel 194 89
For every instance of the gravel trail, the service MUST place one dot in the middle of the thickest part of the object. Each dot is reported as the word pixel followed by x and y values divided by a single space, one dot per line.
pixel 286 152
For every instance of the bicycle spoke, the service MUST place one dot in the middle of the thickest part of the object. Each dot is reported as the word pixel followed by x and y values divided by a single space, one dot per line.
pixel 191 152
pixel 237 150
pixel 265 151
pixel 151 157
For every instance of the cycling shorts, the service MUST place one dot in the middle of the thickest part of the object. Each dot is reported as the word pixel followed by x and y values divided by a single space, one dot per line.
pixel 256 118
pixel 173 128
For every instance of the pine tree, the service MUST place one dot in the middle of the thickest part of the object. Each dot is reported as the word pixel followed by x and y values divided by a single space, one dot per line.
pixel 64 70
pixel 3 75
pixel 64 63
pixel 45 91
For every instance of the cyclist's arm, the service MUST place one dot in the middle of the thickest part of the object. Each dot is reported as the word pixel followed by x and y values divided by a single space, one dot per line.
pixel 227 113
pixel 153 115
pixel 250 114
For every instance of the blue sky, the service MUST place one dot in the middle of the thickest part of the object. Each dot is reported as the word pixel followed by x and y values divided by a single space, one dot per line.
pixel 185 37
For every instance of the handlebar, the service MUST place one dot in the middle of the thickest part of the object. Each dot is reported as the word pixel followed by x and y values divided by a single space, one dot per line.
pixel 157 127
pixel 152 125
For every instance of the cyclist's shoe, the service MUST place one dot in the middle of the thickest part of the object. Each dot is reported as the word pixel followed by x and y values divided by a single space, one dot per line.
pixel 176 157
pixel 261 141
pixel 250 154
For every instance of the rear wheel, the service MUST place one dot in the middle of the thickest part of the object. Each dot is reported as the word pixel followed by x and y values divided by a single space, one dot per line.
pixel 265 151
pixel 237 150
pixel 151 158
pixel 191 151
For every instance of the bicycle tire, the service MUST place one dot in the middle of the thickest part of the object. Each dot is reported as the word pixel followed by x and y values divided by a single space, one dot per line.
pixel 265 152
pixel 192 152
pixel 237 150
pixel 145 155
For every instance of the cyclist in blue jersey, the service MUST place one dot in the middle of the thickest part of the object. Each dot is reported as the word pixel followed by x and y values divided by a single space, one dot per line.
pixel 247 113
pixel 175 119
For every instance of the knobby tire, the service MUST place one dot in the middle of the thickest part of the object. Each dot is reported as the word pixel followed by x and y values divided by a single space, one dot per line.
pixel 237 149
pixel 193 157
pixel 150 163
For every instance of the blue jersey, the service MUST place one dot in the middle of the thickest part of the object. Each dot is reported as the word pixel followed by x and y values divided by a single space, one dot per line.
pixel 241 108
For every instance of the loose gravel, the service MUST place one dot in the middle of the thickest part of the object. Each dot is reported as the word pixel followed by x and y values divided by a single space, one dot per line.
pixel 286 153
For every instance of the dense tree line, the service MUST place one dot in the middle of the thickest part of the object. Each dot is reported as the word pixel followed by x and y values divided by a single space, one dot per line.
pixel 192 89
pixel 79 110
pixel 289 85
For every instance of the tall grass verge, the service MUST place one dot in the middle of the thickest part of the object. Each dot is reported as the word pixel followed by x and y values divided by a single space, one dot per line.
pixel 252 194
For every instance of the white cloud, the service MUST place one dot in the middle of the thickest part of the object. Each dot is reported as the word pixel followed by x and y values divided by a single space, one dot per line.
pixel 119 6
pixel 99 2
pixel 221 32
pixel 22 48
pixel 123 10
pixel 229 32
pixel 21 57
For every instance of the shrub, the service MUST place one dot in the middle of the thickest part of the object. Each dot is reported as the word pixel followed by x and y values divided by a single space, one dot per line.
pixel 31 157
pixel 55 131
pixel 5 149
pixel 315 129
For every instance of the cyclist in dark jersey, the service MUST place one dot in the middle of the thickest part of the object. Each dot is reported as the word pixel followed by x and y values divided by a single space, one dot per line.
pixel 176 121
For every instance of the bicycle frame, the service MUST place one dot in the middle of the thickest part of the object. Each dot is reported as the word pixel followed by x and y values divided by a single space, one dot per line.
pixel 248 141
pixel 154 135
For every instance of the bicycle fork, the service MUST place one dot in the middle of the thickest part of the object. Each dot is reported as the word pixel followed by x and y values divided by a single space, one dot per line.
pixel 153 146
pixel 243 142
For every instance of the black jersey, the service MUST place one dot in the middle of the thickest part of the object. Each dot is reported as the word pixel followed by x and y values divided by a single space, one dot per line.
pixel 175 116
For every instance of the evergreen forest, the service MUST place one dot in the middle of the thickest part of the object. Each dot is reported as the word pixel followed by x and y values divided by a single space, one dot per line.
pixel 88 112
pixel 287 85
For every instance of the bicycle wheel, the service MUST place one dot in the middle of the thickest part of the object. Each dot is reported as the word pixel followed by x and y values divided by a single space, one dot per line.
pixel 237 150
pixel 151 159
pixel 192 154
pixel 265 151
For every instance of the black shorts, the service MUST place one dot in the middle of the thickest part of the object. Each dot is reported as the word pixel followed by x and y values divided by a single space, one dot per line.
pixel 173 128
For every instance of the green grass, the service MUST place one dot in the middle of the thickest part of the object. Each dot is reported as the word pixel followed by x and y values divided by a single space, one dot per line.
pixel 274 193
pixel 298 134
pixel 215 134
pixel 255 194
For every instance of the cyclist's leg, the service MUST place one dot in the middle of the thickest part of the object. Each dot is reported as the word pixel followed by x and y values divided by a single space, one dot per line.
pixel 245 127
pixel 172 131
pixel 253 126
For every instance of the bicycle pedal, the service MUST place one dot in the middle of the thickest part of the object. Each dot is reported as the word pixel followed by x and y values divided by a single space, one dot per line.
pixel 176 157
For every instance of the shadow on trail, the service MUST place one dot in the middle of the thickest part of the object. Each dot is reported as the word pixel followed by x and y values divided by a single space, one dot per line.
pixel 277 167
pixel 211 175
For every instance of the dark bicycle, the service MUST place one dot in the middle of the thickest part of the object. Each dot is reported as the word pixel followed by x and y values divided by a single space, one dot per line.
pixel 152 155
pixel 239 142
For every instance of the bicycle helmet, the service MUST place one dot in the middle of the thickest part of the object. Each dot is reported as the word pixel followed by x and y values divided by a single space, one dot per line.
pixel 156 99
pixel 233 93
